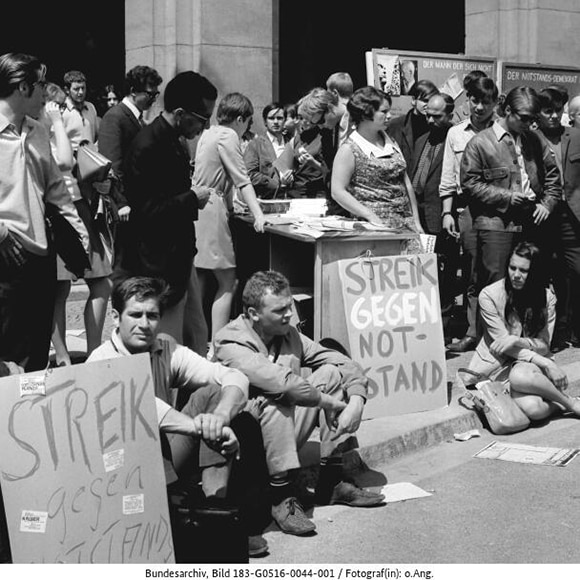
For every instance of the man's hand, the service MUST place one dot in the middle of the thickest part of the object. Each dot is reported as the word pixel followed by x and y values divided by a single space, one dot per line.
pixel 518 198
pixel 11 251
pixel 332 408
pixel 449 226
pixel 541 214
pixel 228 444
pixel 349 420
pixel 286 177
pixel 210 426
pixel 203 194
pixel 501 345
pixel 123 213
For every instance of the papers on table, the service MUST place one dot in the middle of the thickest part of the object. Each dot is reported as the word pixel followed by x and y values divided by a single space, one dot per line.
pixel 518 453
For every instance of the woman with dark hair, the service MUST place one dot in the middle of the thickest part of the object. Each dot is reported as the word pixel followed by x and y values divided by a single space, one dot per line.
pixel 107 99
pixel 262 152
pixel 518 315
pixel 511 181
pixel 369 177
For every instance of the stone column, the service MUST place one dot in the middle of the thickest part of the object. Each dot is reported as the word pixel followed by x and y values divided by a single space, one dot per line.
pixel 234 43
pixel 526 31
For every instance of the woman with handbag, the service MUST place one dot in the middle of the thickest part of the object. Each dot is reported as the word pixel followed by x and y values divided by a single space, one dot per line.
pixel 517 315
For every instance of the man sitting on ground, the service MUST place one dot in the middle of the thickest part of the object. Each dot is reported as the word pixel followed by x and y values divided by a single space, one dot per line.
pixel 271 353
pixel 218 392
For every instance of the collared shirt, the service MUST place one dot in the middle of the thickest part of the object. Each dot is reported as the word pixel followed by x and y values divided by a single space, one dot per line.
pixel 501 133
pixel 278 143
pixel 81 124
pixel 372 150
pixel 457 138
pixel 29 178
pixel 133 108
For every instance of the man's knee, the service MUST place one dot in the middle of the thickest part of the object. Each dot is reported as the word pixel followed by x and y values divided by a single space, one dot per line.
pixel 202 400
pixel 327 378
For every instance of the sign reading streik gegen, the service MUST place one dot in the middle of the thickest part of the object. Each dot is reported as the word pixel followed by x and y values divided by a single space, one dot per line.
pixel 81 471
pixel 393 316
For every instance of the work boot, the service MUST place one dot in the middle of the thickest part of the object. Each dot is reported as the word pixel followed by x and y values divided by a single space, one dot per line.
pixel 291 519
pixel 347 493
pixel 257 546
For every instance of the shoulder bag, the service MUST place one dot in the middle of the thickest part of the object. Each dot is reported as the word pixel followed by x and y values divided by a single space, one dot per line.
pixel 493 400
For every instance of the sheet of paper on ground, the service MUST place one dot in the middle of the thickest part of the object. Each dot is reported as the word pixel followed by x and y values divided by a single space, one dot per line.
pixel 402 491
pixel 527 454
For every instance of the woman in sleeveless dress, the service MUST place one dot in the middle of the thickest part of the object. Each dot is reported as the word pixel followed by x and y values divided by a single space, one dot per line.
pixel 369 177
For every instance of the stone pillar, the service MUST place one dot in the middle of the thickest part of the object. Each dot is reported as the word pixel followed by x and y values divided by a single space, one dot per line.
pixel 526 31
pixel 234 43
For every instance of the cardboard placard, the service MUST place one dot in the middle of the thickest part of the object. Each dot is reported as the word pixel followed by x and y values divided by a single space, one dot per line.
pixel 538 76
pixel 396 71
pixel 395 332
pixel 80 465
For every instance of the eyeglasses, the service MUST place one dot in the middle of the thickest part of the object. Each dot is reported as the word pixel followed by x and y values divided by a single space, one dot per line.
pixel 201 118
pixel 528 119
pixel 152 94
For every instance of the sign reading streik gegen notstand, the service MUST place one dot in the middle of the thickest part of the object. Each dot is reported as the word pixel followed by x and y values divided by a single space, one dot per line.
pixel 393 316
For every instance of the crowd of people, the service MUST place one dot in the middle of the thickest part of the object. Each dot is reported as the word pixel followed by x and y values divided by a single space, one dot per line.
pixel 499 190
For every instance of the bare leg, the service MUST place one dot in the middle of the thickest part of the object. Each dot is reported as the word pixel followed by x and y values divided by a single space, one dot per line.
pixel 222 304
pixel 536 394
pixel 59 323
pixel 96 310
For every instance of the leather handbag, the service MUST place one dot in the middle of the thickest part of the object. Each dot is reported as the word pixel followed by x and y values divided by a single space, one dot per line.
pixel 66 241
pixel 91 165
pixel 493 400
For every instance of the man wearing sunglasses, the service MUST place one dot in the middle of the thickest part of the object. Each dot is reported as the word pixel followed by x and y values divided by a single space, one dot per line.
pixel 510 177
pixel 164 205
pixel 120 125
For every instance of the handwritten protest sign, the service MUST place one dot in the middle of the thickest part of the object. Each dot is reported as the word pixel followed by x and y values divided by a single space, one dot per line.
pixel 395 331
pixel 538 76
pixel 80 465
pixel 395 72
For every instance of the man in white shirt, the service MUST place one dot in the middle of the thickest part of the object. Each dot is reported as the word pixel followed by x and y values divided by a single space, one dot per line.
pixel 30 179
pixel 80 116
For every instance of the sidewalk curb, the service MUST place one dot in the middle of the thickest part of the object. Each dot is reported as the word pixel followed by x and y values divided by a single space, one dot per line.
pixel 389 438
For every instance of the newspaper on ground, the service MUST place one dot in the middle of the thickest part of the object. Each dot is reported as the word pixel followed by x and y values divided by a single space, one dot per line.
pixel 519 453
pixel 402 491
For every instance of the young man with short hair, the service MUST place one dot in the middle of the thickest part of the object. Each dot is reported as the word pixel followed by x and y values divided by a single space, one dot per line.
pixel 271 353
pixel 30 179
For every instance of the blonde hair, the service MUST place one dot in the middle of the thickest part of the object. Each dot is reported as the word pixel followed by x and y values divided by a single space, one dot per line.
pixel 317 101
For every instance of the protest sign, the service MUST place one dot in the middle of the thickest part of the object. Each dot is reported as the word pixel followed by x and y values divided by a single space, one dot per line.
pixel 538 76
pixel 80 465
pixel 395 332
pixel 395 72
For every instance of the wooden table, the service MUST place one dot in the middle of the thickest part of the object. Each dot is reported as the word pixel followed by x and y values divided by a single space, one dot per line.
pixel 310 264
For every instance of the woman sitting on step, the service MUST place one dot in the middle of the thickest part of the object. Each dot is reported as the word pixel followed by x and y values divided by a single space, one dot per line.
pixel 517 315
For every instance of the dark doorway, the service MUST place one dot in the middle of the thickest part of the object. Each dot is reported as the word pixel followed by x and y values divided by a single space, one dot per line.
pixel 69 35
pixel 318 38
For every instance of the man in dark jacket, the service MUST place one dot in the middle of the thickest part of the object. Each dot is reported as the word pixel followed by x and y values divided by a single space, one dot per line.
pixel 425 173
pixel 161 241
pixel 121 123
pixel 406 129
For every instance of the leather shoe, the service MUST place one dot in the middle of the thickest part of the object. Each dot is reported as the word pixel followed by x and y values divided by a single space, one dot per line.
pixel 291 519
pixel 347 493
pixel 463 345
pixel 257 546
